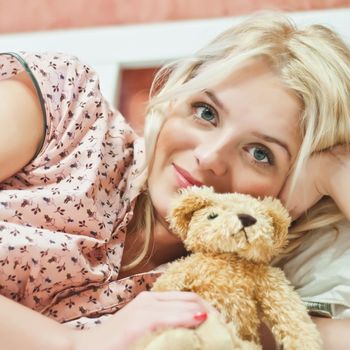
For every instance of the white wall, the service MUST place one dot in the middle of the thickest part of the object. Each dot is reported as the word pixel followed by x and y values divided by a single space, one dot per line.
pixel 108 49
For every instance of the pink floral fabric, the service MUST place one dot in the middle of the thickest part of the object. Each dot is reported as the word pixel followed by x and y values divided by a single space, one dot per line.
pixel 63 217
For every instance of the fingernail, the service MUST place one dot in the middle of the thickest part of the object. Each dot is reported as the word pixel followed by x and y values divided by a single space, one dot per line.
pixel 200 316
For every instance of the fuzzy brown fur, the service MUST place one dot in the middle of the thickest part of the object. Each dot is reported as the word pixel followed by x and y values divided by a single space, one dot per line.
pixel 229 266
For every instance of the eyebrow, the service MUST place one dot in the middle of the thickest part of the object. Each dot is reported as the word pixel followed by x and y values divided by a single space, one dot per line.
pixel 215 100
pixel 272 139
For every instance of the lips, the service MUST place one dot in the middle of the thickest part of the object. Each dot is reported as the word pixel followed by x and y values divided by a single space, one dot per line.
pixel 184 179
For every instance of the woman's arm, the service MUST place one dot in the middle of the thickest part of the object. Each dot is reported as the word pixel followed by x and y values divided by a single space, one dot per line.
pixel 23 328
pixel 334 333
pixel 21 124
pixel 337 184
pixel 266 337
pixel 325 174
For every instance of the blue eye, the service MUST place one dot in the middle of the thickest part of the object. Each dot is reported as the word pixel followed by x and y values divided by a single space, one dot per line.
pixel 205 112
pixel 261 154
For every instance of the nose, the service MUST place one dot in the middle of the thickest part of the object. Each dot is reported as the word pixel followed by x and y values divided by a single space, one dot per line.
pixel 211 157
pixel 246 220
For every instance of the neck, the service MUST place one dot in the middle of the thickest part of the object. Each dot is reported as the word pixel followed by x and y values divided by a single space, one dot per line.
pixel 164 247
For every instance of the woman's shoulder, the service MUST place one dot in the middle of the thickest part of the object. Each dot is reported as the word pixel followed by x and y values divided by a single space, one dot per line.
pixel 40 58
pixel 65 88
pixel 48 70
pixel 21 124
pixel 13 62
pixel 76 115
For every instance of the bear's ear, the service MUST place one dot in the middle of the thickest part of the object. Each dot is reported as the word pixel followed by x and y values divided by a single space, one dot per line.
pixel 185 204
pixel 281 221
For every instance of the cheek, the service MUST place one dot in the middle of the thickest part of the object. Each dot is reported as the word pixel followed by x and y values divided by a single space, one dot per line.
pixel 259 186
pixel 174 136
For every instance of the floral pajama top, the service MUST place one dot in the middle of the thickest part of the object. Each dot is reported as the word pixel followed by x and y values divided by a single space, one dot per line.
pixel 63 217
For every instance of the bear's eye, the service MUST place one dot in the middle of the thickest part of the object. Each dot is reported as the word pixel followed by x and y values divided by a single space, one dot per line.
pixel 212 216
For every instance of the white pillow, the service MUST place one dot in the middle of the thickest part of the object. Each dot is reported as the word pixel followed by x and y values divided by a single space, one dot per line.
pixel 320 268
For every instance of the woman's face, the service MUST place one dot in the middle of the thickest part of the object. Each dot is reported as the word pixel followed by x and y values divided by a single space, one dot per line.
pixel 239 136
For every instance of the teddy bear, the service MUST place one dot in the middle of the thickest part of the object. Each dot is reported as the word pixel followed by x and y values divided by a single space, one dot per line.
pixel 231 239
pixel 213 334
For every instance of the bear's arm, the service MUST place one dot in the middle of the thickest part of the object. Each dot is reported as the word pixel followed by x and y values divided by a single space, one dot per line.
pixel 177 276
pixel 285 313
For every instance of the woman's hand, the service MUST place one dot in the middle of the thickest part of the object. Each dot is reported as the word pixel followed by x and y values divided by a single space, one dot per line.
pixel 148 312
pixel 324 174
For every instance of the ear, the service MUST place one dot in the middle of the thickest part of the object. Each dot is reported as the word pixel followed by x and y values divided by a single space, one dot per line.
pixel 281 221
pixel 185 205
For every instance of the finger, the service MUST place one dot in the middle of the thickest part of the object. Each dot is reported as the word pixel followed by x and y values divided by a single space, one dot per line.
pixel 180 306
pixel 189 297
pixel 211 309
pixel 176 295
pixel 178 314
pixel 179 320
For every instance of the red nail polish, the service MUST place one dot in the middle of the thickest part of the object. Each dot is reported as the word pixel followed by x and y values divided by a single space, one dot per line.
pixel 200 316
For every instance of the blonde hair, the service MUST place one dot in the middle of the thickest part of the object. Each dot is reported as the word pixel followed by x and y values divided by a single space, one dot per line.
pixel 313 62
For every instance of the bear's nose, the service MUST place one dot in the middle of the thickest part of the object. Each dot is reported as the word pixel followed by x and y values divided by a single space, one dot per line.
pixel 246 220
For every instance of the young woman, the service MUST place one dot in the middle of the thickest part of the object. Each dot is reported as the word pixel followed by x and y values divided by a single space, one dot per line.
pixel 83 201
